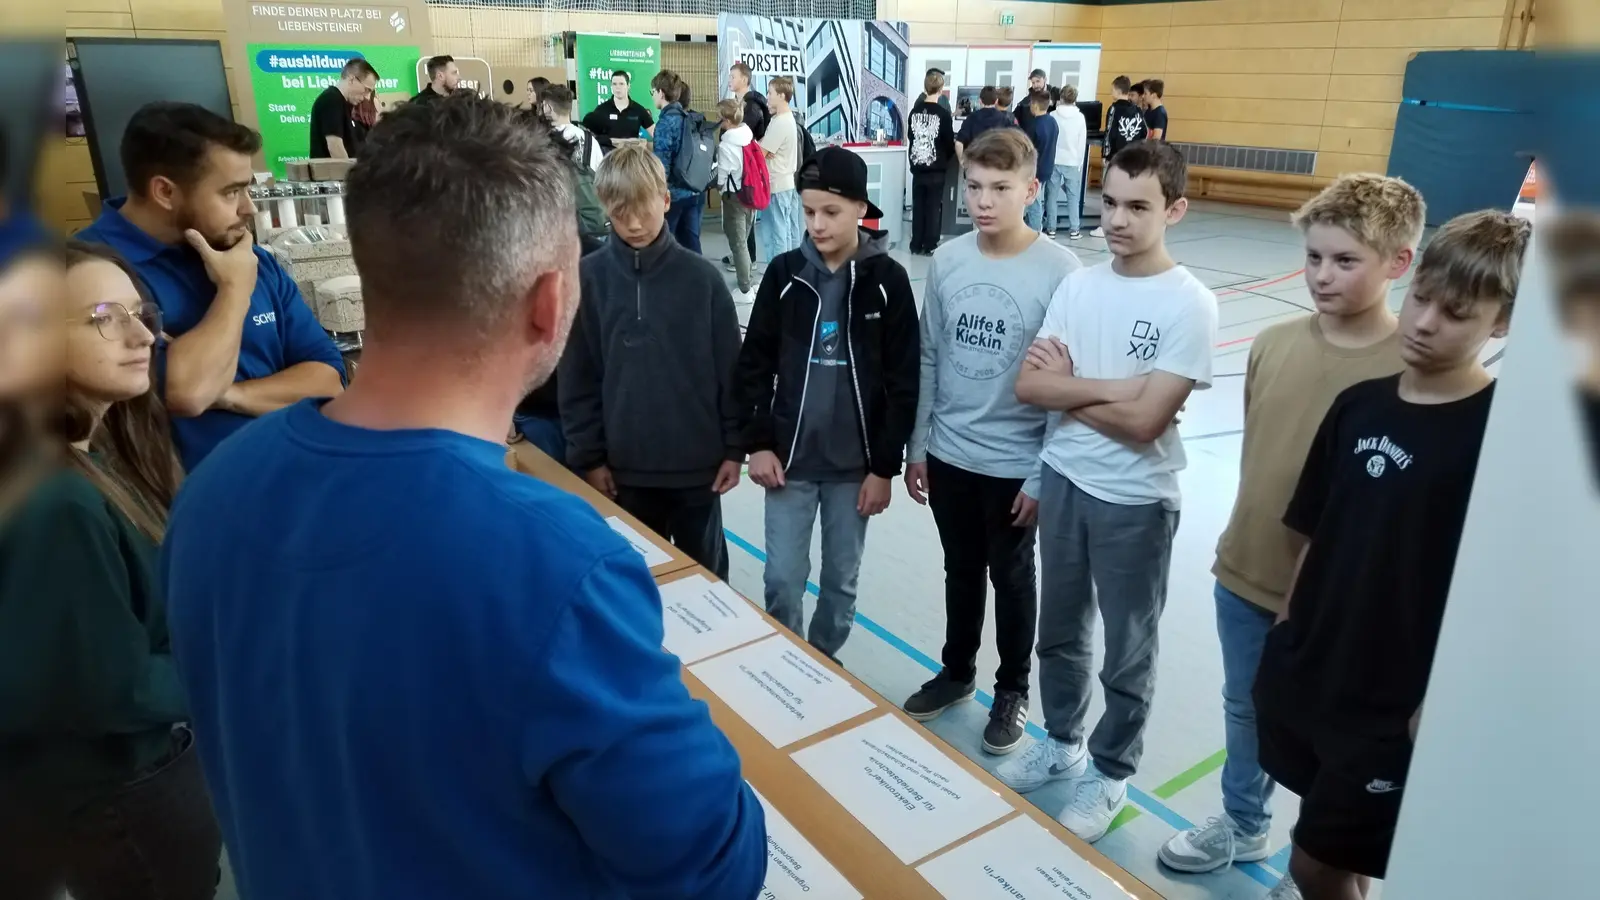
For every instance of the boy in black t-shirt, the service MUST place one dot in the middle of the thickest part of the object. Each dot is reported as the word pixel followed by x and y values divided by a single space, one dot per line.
pixel 1382 501
pixel 1155 113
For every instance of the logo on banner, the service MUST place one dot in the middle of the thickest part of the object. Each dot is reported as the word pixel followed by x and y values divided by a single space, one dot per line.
pixel 773 64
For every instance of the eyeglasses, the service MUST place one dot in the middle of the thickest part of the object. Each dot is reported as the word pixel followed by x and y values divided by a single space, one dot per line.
pixel 114 321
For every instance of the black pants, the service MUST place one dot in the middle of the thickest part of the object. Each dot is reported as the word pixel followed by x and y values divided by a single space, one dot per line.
pixel 750 241
pixel 927 211
pixel 154 838
pixel 973 513
pixel 691 518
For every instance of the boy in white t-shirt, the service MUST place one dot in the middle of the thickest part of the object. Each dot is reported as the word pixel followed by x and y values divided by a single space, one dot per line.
pixel 1122 346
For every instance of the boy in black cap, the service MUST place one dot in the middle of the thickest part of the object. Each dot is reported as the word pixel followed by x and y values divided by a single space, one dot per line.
pixel 827 386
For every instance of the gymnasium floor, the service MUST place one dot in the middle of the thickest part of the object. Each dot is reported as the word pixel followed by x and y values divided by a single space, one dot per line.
pixel 1252 258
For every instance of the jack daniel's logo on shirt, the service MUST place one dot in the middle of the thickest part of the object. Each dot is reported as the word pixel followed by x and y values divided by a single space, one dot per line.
pixel 1382 448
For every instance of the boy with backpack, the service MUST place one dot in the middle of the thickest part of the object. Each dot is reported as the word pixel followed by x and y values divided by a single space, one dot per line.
pixel 646 379
pixel 686 145
pixel 556 103
pixel 745 185
pixel 827 383
pixel 780 224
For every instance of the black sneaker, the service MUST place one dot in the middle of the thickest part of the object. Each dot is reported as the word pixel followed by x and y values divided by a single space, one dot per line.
pixel 1008 721
pixel 938 695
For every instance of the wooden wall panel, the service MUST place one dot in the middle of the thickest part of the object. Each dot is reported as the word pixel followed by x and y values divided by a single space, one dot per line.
pixel 1377 88
pixel 178 15
pixel 1370 61
pixel 1246 12
pixel 1432 34
pixel 1238 109
pixel 1261 36
pixel 1423 9
pixel 1269 62
pixel 1260 134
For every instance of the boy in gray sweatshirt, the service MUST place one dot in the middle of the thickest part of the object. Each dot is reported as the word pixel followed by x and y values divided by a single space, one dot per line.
pixel 974 451
pixel 646 380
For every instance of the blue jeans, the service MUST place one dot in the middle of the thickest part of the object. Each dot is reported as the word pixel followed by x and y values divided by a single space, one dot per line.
pixel 1066 182
pixel 546 434
pixel 791 512
pixel 1034 214
pixel 683 220
pixel 1242 627
pixel 780 226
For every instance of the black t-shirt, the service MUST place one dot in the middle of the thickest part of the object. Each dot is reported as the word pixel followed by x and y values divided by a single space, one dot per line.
pixel 606 121
pixel 428 95
pixel 1157 118
pixel 330 117
pixel 1383 498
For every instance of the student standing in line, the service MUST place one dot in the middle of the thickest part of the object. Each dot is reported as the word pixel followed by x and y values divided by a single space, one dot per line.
pixel 618 117
pixel 1043 131
pixel 1379 508
pixel 683 218
pixel 101 792
pixel 1066 177
pixel 333 126
pixel 1122 346
pixel 646 382
pixel 933 144
pixel 1361 233
pixel 988 116
pixel 1155 114
pixel 736 217
pixel 556 104
pixel 828 394
pixel 244 342
pixel 779 227
pixel 484 609
pixel 756 116
pixel 1124 126
pixel 443 78
pixel 974 453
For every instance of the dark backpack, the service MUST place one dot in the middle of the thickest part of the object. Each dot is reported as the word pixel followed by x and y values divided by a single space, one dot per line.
pixel 755 187
pixel 591 215
pixel 693 167
pixel 805 147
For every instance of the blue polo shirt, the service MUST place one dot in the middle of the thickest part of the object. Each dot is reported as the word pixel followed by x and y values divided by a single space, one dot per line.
pixel 279 331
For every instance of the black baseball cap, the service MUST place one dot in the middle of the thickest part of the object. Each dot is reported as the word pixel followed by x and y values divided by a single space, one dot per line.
pixel 936 71
pixel 838 171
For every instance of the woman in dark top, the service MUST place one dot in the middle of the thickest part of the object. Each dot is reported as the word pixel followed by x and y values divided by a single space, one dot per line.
pixel 101 792
pixel 618 117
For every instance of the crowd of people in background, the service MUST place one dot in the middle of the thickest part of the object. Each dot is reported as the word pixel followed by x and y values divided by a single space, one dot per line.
pixel 184 669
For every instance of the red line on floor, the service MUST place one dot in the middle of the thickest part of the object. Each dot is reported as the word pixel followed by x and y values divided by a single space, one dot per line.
pixel 1279 280
pixel 1243 340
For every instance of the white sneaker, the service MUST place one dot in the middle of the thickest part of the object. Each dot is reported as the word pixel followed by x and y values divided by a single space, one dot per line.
pixel 1212 846
pixel 745 298
pixel 1096 800
pixel 1098 232
pixel 1045 761
pixel 1285 890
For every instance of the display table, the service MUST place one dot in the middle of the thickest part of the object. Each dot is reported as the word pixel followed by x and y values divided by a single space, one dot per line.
pixel 860 801
pixel 886 185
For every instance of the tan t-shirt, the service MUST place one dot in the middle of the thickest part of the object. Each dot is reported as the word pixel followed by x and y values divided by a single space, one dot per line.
pixel 1293 377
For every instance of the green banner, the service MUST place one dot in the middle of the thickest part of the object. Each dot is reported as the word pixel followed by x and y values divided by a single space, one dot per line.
pixel 287 80
pixel 596 56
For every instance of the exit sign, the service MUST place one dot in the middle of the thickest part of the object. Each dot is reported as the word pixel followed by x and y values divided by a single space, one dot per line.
pixel 1007 18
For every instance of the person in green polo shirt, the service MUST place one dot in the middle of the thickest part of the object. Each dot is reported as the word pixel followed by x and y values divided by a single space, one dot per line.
pixel 101 792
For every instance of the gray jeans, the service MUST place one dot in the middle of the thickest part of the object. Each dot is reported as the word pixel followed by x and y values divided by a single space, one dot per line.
pixel 791 512
pixel 1093 551
pixel 736 221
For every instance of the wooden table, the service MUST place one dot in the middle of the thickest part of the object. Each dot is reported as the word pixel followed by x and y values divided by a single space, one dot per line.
pixel 846 843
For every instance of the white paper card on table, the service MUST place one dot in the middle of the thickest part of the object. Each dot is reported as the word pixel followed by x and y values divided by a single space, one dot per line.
pixel 908 793
pixel 1017 861
pixel 653 555
pixel 795 870
pixel 781 691
pixel 703 617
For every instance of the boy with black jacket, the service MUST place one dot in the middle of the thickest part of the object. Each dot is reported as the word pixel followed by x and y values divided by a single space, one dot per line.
pixel 827 384
pixel 933 144
pixel 646 380
pixel 1124 125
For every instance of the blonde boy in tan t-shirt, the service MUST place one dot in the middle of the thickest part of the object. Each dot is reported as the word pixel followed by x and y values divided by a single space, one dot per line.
pixel 1361 234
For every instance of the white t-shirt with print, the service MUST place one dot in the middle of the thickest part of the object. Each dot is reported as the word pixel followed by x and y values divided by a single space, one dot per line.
pixel 1116 327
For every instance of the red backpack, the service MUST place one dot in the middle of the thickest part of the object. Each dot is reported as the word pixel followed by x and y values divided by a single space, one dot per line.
pixel 755 188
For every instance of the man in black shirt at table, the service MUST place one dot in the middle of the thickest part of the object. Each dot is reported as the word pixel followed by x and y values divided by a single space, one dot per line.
pixel 1381 503
pixel 618 117
pixel 333 126
pixel 443 77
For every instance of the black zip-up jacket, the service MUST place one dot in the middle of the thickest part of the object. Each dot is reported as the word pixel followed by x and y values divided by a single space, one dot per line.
pixel 882 340
pixel 1124 126
pixel 647 376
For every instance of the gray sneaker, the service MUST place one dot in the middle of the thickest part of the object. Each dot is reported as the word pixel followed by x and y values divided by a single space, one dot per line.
pixel 937 695
pixel 1212 846
pixel 1286 890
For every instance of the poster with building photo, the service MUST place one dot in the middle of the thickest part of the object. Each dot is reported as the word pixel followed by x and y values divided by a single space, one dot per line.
pixel 851 76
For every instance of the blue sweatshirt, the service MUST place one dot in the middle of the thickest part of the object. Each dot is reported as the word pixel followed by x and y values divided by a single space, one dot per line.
pixel 1044 131
pixel 415 673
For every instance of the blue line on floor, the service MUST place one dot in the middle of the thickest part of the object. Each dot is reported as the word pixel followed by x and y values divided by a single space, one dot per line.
pixel 1148 803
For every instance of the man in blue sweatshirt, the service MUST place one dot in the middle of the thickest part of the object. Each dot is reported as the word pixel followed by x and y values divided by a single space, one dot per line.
pixel 413 671
pixel 1043 131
